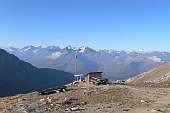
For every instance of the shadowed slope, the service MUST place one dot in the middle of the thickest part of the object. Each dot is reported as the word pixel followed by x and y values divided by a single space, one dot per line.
pixel 17 76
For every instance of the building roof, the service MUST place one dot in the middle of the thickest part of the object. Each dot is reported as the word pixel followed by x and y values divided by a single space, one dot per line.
pixel 94 72
pixel 78 75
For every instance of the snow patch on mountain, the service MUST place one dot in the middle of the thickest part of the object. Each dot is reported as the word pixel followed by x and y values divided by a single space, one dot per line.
pixel 26 49
pixel 155 59
pixel 55 55
pixel 69 47
pixel 10 49
pixel 82 49
pixel 36 50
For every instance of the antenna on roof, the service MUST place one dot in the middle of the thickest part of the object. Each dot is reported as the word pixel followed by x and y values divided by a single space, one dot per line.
pixel 77 76
pixel 76 63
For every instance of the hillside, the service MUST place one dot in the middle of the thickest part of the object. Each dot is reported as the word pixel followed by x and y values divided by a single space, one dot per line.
pixel 85 98
pixel 159 76
pixel 17 76
pixel 114 64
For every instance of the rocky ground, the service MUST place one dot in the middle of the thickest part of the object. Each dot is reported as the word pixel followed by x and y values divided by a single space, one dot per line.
pixel 83 98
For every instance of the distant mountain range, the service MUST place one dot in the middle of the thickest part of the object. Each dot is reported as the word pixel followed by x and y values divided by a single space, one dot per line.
pixel 114 64
pixel 17 76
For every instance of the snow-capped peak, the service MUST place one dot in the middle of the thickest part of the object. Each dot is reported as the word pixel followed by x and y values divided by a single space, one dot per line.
pixel 69 47
pixel 10 49
pixel 82 49
pixel 27 48
pixel 30 48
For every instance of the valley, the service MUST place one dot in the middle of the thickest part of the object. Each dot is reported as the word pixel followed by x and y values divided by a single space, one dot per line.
pixel 115 64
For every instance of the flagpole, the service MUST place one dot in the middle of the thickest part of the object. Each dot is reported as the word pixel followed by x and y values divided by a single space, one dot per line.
pixel 76 63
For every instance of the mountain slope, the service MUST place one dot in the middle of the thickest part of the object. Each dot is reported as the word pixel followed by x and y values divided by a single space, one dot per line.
pixel 17 76
pixel 114 64
pixel 159 76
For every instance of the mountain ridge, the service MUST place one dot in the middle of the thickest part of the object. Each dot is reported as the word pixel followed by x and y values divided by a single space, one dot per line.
pixel 17 76
pixel 115 64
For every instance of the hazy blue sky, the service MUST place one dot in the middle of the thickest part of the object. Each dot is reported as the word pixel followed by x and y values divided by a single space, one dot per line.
pixel 110 24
